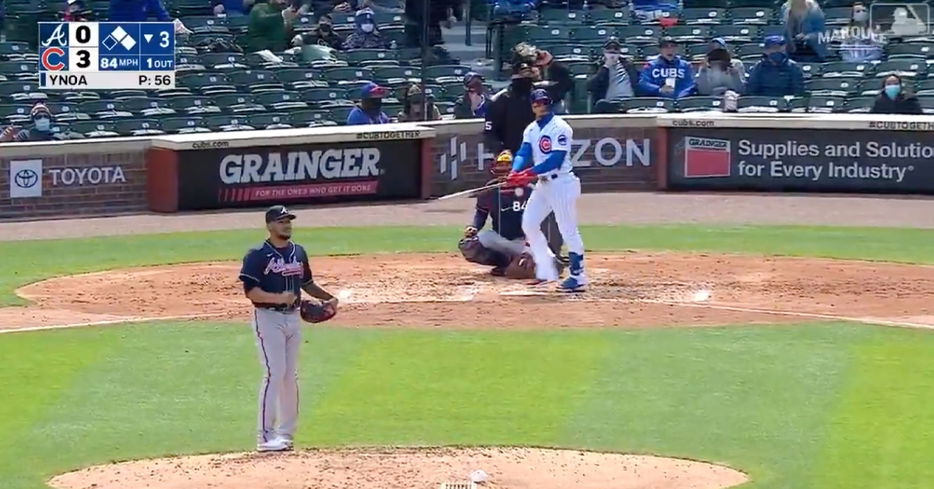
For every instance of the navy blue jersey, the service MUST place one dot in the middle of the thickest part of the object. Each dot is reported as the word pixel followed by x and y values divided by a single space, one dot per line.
pixel 276 270
pixel 505 208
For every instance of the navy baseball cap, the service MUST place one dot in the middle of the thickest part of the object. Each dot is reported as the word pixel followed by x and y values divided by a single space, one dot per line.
pixel 771 41
pixel 540 95
pixel 719 41
pixel 667 41
pixel 277 212
pixel 372 90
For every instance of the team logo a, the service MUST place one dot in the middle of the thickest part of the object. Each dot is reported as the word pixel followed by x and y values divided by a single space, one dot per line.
pixel 59 36
pixel 279 265
pixel 544 144
pixel 706 157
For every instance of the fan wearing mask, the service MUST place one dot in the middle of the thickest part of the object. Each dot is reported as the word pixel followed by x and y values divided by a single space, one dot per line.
pixel 41 129
pixel 615 80
pixel 895 98
pixel 370 108
pixel 324 34
pixel 776 75
pixel 860 42
pixel 365 34
pixel 719 74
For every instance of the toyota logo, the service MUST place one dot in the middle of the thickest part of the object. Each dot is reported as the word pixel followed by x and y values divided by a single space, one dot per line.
pixel 26 178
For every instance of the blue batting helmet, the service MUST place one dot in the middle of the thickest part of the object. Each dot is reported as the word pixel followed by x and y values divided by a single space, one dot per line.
pixel 541 96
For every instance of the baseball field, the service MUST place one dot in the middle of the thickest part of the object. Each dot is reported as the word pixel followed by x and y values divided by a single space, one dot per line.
pixel 772 342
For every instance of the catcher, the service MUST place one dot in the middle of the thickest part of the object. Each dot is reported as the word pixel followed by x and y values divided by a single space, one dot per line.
pixel 503 246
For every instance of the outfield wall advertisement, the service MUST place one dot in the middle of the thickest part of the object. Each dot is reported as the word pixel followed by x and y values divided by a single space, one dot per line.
pixel 798 160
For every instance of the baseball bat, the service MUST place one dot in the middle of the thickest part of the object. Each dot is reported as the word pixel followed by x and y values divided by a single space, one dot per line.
pixel 463 193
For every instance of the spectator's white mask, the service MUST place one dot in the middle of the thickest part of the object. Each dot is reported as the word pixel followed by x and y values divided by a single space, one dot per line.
pixel 860 15
pixel 611 57
pixel 367 27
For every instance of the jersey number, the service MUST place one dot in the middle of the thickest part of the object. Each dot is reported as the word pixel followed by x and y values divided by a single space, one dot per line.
pixel 519 206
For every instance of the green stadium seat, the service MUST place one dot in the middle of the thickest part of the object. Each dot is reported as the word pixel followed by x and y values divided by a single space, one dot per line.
pixel 846 69
pixel 812 70
pixel 298 78
pixel 905 68
pixel 95 106
pixel 703 16
pixel 751 51
pixel 923 87
pixel 388 19
pixel 603 16
pixel 224 122
pixel 238 25
pixel 639 34
pixel 752 3
pixel 751 15
pixel 443 73
pixel 270 120
pixel 689 33
pixel 224 61
pixel 280 100
pixel 317 95
pixel 7 110
pixel 94 128
pixel 927 104
pixel 695 51
pixel 699 104
pixel 183 125
pixel 348 75
pixel 78 97
pixel 308 118
pixel 61 107
pixel 576 68
pixel 826 104
pixel 186 103
pixel 592 35
pixel 139 104
pixel 839 86
pixel 909 50
pixel 357 56
pixel 18 70
pixel 733 34
pixel 339 114
pixel 859 104
pixel 206 24
pixel 749 103
pixel 837 15
pixel 387 74
pixel 189 62
pixel 637 105
pixel 561 17
pixel 539 34
pixel 12 50
pixel 138 127
pixel 254 80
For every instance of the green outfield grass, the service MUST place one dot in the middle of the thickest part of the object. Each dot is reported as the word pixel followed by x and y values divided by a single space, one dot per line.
pixel 809 406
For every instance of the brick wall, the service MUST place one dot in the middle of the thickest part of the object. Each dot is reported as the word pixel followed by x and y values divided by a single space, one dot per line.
pixel 81 183
pixel 609 154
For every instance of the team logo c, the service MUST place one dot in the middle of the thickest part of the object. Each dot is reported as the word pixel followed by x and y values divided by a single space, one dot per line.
pixel 47 59
pixel 544 144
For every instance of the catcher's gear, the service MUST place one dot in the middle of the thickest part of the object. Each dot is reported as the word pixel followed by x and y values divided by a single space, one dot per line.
pixel 315 312
pixel 475 252
pixel 521 267
pixel 503 163
pixel 470 232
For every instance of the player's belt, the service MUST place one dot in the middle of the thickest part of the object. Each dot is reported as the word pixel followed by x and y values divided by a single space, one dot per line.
pixel 275 307
pixel 546 178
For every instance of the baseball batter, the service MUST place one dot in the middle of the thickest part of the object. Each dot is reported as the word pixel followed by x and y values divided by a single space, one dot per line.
pixel 546 145
pixel 274 275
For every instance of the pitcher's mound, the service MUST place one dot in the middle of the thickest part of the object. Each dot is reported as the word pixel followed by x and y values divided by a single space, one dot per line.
pixel 407 468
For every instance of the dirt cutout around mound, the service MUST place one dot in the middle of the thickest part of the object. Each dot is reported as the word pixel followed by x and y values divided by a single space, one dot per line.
pixel 634 289
pixel 407 468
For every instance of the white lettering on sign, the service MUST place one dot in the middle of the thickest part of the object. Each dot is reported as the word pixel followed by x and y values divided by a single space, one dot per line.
pixel 610 152
pixel 300 165
pixel 92 175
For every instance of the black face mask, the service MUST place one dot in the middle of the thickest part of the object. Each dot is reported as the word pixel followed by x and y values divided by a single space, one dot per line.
pixel 324 27
pixel 372 103
pixel 522 84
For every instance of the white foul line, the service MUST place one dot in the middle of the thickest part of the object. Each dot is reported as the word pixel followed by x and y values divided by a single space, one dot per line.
pixel 113 321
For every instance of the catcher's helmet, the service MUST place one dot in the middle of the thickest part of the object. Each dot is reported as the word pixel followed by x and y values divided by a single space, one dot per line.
pixel 540 96
pixel 502 164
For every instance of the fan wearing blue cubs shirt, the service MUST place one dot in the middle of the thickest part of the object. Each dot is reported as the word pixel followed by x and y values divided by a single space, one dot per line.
pixel 544 158
pixel 668 75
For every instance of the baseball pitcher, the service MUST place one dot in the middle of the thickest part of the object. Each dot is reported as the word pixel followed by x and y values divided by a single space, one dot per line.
pixel 274 275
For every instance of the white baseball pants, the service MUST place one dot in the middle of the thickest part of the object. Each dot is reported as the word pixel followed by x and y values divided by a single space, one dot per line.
pixel 560 196
pixel 278 337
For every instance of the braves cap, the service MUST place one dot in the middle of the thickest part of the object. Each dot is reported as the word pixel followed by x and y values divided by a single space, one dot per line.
pixel 277 212
pixel 372 90
pixel 540 95
pixel 771 41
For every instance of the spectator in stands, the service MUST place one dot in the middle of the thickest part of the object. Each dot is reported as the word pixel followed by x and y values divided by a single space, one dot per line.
pixel 232 8
pixel 365 34
pixel 648 10
pixel 775 75
pixel 41 129
pixel 370 108
pixel 412 106
pixel 805 32
pixel 736 63
pixel 321 7
pixel 441 13
pixel 615 80
pixel 860 41
pixel 719 74
pixel 510 111
pixel 474 102
pixel 324 34
pixel 270 25
pixel 668 75
pixel 896 98
pixel 385 6
pixel 75 11
pixel 556 79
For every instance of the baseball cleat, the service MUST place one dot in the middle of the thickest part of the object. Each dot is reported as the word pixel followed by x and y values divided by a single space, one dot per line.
pixel 498 272
pixel 274 445
pixel 539 281
pixel 573 284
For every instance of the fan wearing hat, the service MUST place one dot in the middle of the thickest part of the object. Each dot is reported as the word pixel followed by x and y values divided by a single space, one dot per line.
pixel 473 103
pixel 41 129
pixel 365 34
pixel 615 80
pixel 370 108
pixel 412 105
pixel 775 75
pixel 668 75
pixel 719 73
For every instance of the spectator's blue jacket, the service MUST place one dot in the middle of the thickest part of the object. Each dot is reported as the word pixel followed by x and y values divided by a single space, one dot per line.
pixel 360 117
pixel 813 27
pixel 772 80
pixel 656 72
pixel 137 10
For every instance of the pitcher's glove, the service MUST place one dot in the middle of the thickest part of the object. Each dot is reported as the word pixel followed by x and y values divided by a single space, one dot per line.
pixel 317 312
pixel 522 267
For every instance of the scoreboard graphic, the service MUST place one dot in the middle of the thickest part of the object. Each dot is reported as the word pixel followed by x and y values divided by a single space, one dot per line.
pixel 106 55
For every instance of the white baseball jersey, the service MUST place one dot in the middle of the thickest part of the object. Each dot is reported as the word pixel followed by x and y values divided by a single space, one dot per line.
pixel 556 135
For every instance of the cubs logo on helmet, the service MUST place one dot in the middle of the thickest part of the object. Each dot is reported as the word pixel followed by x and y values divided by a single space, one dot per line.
pixel 544 144
pixel 541 96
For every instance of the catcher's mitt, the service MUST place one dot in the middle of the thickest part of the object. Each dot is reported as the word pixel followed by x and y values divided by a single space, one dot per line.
pixel 314 312
pixel 521 267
